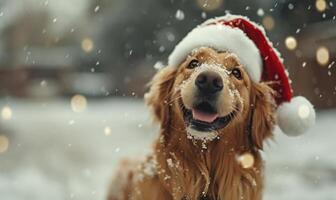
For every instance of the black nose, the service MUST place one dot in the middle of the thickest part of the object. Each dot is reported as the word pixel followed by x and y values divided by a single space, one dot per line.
pixel 209 82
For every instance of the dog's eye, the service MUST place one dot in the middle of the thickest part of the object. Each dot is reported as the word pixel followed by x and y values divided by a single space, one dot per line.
pixel 193 64
pixel 237 73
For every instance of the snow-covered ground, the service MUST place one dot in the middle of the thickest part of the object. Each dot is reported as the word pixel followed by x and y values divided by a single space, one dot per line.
pixel 56 154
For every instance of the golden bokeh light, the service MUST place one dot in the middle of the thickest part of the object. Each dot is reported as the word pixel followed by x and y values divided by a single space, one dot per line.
pixel 6 113
pixel 322 55
pixel 291 43
pixel 303 111
pixel 107 130
pixel 268 22
pixel 246 160
pixel 321 5
pixel 78 103
pixel 4 143
pixel 87 45
pixel 209 5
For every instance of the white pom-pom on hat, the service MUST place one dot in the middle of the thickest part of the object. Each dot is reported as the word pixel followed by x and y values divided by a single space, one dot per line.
pixel 296 117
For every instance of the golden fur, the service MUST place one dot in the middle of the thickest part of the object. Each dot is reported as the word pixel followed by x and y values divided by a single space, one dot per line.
pixel 181 168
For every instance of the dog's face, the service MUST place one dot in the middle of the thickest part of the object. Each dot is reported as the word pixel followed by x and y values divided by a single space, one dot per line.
pixel 209 91
pixel 214 90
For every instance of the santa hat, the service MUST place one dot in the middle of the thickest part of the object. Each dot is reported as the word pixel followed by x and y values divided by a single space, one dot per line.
pixel 246 39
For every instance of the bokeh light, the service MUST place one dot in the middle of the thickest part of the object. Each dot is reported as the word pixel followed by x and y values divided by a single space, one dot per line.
pixel 78 103
pixel 6 113
pixel 291 43
pixel 209 5
pixel 321 5
pixel 322 55
pixel 87 45
pixel 268 22
pixel 246 160
pixel 4 143
pixel 107 130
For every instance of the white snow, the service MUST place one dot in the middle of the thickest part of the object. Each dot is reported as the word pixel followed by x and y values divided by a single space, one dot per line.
pixel 203 136
pixel 50 159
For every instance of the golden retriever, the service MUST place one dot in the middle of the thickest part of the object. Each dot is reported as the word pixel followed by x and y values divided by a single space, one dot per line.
pixel 213 121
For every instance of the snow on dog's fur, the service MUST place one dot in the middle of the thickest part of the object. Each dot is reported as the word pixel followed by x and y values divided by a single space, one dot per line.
pixel 193 164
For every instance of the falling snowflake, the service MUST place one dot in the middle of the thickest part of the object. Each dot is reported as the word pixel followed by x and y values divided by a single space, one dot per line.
pixel 331 64
pixel 43 83
pixel 158 65
pixel 290 6
pixel 304 64
pixel 170 37
pixel 97 8
pixel 179 15
pixel 204 15
pixel 162 49
pixel 260 12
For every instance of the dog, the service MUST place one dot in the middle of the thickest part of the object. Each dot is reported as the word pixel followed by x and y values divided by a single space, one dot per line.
pixel 217 101
pixel 213 122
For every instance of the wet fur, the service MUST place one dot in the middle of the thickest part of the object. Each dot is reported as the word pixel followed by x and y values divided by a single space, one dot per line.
pixel 185 170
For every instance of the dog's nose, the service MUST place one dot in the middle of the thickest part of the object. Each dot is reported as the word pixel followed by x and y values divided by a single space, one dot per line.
pixel 209 82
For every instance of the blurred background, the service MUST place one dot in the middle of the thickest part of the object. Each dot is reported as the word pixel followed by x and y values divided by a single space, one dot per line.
pixel 73 74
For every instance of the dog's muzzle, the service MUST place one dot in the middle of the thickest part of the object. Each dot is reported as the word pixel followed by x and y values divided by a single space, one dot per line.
pixel 203 116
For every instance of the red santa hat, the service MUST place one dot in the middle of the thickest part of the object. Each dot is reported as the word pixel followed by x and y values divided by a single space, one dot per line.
pixel 246 39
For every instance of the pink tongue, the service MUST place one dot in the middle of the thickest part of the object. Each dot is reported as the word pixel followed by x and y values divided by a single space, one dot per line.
pixel 205 117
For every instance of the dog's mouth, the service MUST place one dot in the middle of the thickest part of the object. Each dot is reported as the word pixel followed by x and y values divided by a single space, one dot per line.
pixel 204 117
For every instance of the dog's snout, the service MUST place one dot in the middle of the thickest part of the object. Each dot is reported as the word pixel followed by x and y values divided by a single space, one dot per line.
pixel 209 82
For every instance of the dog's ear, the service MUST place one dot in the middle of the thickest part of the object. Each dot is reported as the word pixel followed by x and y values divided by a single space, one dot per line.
pixel 263 113
pixel 158 96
